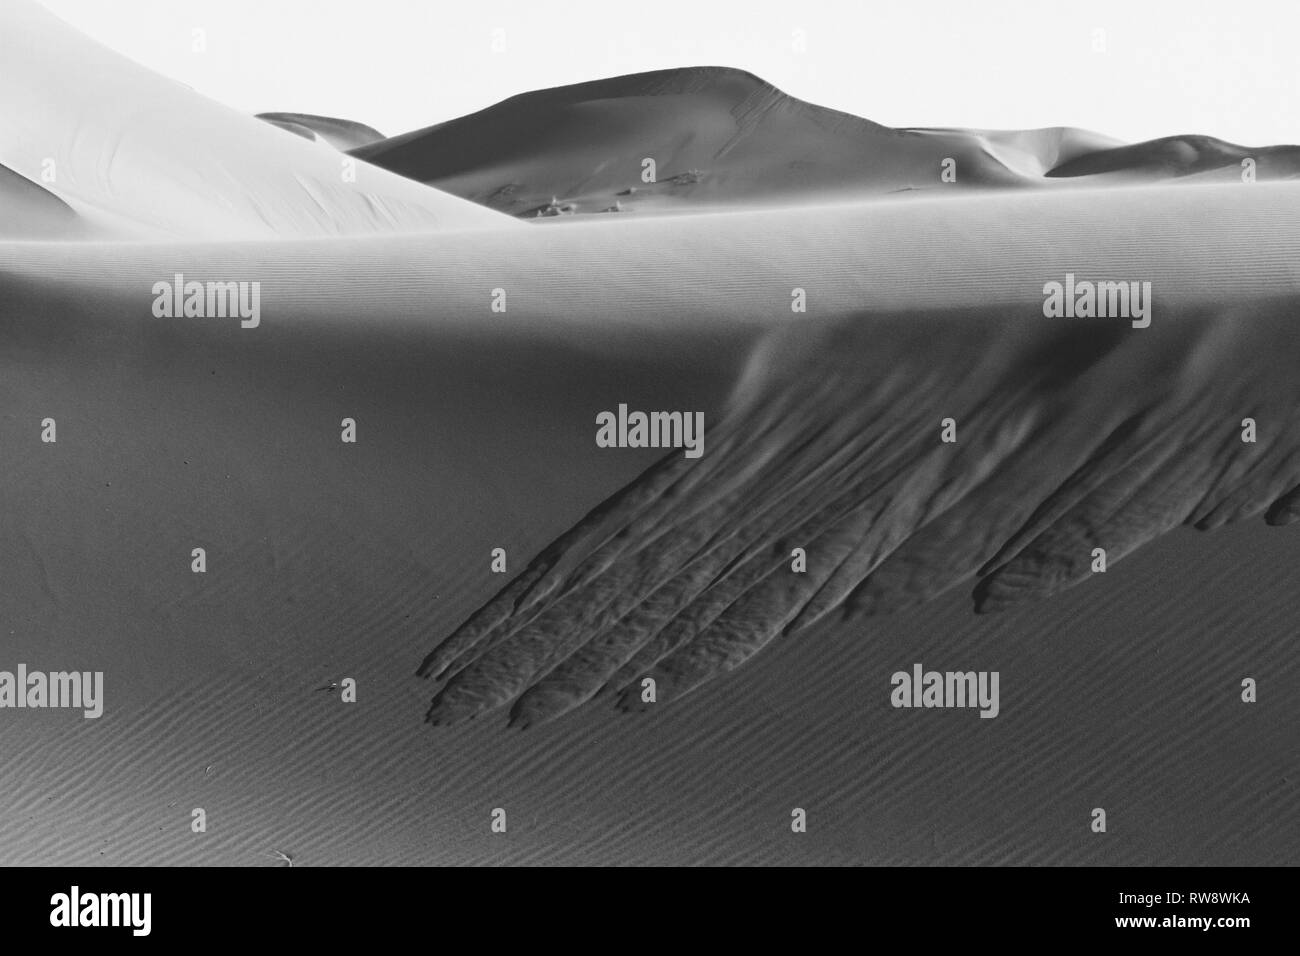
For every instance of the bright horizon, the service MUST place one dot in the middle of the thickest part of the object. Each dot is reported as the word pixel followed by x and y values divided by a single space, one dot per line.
pixel 1166 67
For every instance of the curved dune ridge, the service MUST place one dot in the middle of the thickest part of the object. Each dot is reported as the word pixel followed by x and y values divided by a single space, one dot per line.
pixel 29 211
pixel 153 159
pixel 340 133
pixel 1184 157
pixel 723 137
pixel 1069 439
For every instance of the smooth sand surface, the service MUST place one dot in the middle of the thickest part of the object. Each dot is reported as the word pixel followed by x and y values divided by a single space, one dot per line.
pixel 31 212
pixel 147 157
pixel 340 133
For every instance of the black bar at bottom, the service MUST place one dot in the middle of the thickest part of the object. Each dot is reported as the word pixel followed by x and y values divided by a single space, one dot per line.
pixel 654 906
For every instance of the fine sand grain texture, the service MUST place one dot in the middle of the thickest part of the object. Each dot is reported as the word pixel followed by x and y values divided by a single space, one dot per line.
pixel 328 560
pixel 821 297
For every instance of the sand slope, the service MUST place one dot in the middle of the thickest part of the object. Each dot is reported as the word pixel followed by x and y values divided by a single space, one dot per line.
pixel 833 447
pixel 28 211
pixel 340 133
pixel 164 161
pixel 1085 433
pixel 476 431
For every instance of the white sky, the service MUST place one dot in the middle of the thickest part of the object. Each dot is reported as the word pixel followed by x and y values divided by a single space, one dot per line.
pixel 1225 68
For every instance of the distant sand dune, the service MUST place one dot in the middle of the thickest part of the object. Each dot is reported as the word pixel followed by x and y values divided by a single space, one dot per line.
pixel 722 137
pixel 718 137
pixel 1181 157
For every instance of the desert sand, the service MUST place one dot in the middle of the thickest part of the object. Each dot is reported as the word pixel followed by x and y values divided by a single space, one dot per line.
pixel 723 138
pixel 142 156
pixel 372 560
pixel 339 133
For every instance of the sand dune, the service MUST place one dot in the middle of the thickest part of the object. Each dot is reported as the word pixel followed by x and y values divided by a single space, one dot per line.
pixel 723 137
pixel 1179 157
pixel 477 431
pixel 329 560
pixel 1031 153
pixel 28 211
pixel 718 137
pixel 1083 435
pixel 340 133
pixel 161 160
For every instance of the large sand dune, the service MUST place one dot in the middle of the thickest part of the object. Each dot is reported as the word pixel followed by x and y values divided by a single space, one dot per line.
pixel 476 430
pixel 329 560
pixel 158 159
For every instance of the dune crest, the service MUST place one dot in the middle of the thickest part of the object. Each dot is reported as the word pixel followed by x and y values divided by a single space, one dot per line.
pixel 340 133
pixel 28 211
pixel 141 150
pixel 1180 157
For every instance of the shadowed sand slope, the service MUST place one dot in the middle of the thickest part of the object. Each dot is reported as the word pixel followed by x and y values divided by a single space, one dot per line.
pixel 723 137
pixel 155 158
pixel 28 211
pixel 476 431
pixel 1068 438
pixel 340 133
pixel 1065 443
